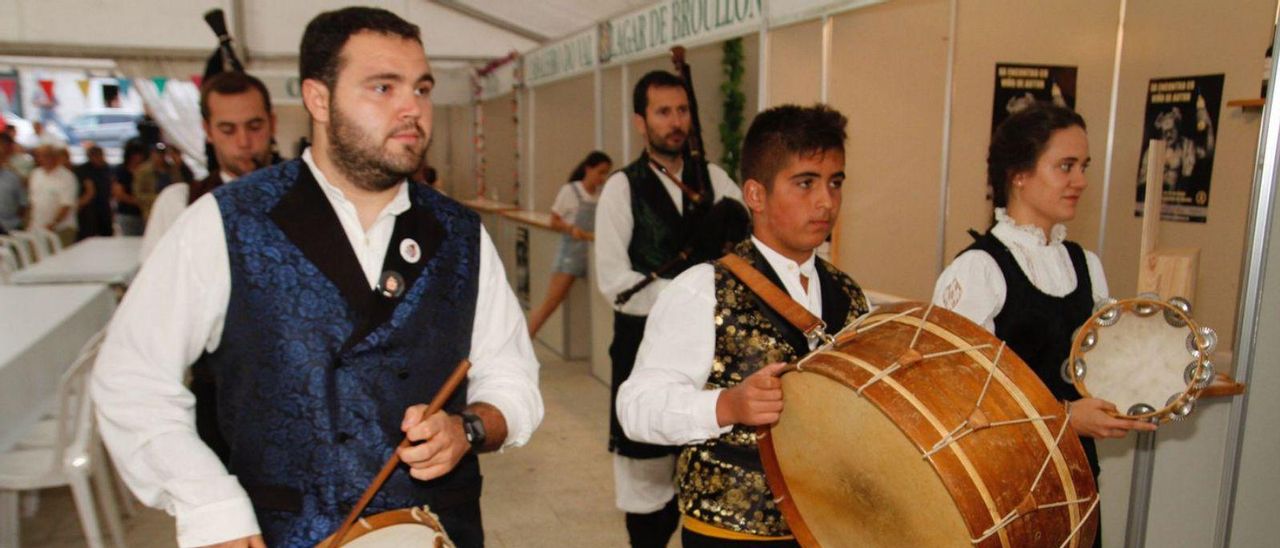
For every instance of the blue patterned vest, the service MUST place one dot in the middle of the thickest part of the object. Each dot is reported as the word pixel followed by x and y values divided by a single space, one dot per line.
pixel 315 369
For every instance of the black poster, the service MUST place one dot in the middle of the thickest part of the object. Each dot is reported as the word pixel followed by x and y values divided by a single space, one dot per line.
pixel 1020 86
pixel 1183 112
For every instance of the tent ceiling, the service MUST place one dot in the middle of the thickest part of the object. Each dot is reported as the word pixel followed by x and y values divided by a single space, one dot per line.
pixel 453 30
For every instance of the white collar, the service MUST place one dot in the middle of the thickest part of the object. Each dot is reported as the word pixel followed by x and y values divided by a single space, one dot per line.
pixel 398 205
pixel 226 177
pixel 780 262
pixel 1028 233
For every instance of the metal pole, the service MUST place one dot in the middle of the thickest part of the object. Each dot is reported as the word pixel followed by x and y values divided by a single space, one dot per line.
pixel 1144 463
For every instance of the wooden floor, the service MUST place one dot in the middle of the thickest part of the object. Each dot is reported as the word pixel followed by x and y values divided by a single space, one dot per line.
pixel 556 491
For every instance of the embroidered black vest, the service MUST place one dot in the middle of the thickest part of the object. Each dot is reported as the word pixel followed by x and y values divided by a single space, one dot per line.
pixel 721 481
pixel 1038 327
pixel 660 231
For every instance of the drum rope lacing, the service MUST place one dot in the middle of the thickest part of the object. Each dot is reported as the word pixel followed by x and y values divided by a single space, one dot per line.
pixel 977 420
pixel 911 356
pixel 1029 505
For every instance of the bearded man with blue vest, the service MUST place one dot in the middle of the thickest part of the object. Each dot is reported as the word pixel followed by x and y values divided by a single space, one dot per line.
pixel 330 299
pixel 647 214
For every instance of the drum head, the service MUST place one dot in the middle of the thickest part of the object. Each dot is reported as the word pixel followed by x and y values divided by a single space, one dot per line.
pixel 404 534
pixel 1138 360
pixel 899 497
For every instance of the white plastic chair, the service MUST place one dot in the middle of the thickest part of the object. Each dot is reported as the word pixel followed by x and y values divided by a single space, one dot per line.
pixel 72 461
pixel 35 243
pixel 44 435
pixel 51 240
pixel 8 264
pixel 20 248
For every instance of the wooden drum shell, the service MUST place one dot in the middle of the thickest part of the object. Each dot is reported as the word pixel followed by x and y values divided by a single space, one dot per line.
pixel 851 488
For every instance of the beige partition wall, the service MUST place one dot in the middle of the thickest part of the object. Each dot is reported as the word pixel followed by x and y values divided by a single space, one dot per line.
pixel 888 67
pixel 460 178
pixel 1079 33
pixel 1165 38
pixel 795 64
pixel 612 108
pixel 564 132
pixel 499 148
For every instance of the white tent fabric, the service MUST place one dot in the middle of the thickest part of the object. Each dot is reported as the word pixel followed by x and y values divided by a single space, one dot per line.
pixel 177 110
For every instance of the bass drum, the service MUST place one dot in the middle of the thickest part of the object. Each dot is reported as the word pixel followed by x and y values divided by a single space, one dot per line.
pixel 916 427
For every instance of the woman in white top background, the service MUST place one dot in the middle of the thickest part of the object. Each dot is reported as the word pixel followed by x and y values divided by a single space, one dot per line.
pixel 574 214
pixel 1023 280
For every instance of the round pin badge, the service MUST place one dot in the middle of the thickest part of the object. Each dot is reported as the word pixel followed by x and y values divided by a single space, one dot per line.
pixel 391 284
pixel 410 251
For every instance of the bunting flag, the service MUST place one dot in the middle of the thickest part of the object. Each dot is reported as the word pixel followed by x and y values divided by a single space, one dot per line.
pixel 10 89
pixel 84 87
pixel 197 79
pixel 160 82
pixel 47 86
pixel 124 86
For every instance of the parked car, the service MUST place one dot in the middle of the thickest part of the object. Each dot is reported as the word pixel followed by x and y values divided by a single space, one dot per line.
pixel 109 128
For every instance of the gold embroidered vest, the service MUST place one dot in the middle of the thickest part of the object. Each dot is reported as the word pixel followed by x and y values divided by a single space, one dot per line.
pixel 721 481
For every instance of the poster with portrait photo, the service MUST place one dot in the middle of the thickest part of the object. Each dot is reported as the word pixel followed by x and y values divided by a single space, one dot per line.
pixel 1020 86
pixel 1183 112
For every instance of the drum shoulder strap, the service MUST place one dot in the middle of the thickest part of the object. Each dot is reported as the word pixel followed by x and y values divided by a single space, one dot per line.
pixel 773 296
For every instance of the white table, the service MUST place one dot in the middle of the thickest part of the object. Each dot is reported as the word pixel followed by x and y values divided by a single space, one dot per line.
pixel 94 260
pixel 42 328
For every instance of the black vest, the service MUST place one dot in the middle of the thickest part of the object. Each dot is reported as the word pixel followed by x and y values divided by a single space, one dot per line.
pixel 1038 327
pixel 660 231
pixel 721 481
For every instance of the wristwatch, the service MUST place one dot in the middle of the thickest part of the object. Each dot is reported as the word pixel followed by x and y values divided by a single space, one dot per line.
pixel 474 429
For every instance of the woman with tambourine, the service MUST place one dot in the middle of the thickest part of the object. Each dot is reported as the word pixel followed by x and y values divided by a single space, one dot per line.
pixel 1023 280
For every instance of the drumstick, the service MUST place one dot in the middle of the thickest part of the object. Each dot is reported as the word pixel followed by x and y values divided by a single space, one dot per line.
pixel 436 404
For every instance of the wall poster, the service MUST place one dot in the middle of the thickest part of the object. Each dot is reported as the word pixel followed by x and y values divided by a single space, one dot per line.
pixel 1020 86
pixel 1183 112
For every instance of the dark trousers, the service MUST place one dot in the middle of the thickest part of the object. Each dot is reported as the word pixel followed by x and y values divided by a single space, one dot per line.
pixel 653 530
pixel 690 539
pixel 463 524
pixel 628 331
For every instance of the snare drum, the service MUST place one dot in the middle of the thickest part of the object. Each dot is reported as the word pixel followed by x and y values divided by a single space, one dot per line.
pixel 395 529
pixel 1146 356
pixel 916 427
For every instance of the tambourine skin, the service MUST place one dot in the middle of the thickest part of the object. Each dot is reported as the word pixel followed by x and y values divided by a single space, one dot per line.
pixel 1137 354
pixel 376 531
pixel 888 466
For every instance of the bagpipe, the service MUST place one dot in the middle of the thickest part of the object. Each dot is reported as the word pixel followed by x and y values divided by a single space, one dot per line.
pixel 726 223
pixel 224 59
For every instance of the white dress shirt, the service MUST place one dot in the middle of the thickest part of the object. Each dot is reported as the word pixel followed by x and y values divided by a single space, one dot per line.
pixel 175 310
pixel 614 226
pixel 169 204
pixel 52 190
pixel 974 287
pixel 665 401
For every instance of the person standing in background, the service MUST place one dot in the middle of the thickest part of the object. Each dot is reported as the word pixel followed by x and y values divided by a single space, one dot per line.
pixel 574 214
pixel 95 181
pixel 54 195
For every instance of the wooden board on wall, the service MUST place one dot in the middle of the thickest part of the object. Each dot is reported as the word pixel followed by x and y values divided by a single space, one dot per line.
pixel 888 69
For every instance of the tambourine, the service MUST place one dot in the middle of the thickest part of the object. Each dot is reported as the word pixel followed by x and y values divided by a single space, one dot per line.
pixel 1148 357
